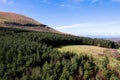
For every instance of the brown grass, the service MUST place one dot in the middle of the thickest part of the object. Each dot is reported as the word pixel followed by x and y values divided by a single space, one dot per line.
pixel 13 17
pixel 13 20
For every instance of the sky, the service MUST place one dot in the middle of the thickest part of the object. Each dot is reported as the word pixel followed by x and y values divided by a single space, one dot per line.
pixel 78 17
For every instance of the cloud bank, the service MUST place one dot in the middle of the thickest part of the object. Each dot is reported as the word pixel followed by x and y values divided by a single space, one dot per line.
pixel 92 28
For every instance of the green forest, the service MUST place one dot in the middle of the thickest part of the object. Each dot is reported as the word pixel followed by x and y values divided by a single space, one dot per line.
pixel 29 55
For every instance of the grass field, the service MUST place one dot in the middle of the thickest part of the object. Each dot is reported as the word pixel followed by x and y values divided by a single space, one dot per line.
pixel 85 49
pixel 98 53
pixel 118 50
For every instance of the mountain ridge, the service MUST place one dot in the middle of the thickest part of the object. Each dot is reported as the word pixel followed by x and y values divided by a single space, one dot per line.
pixel 14 20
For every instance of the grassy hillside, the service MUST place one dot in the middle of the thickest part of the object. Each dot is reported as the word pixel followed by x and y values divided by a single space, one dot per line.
pixel 27 55
pixel 13 20
pixel 16 18
pixel 94 50
pixel 91 50
pixel 99 54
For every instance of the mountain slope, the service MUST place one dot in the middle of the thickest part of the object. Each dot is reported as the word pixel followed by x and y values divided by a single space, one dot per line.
pixel 13 20
pixel 27 55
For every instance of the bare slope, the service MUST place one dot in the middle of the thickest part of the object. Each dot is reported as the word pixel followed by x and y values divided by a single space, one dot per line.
pixel 13 20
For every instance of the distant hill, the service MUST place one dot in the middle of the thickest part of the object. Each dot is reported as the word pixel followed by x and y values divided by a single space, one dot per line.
pixel 113 39
pixel 13 20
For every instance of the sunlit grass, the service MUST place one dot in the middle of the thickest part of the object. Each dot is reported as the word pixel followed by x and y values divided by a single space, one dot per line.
pixel 118 50
pixel 98 53
pixel 89 50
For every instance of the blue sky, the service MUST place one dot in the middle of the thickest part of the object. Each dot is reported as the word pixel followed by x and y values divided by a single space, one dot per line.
pixel 79 17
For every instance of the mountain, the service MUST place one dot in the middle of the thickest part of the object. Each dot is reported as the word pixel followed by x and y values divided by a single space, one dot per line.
pixel 13 20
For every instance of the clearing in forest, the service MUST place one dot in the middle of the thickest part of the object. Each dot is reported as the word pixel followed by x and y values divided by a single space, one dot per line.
pixel 98 53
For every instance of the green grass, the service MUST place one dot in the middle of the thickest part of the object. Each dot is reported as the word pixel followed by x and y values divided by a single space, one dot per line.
pixel 85 49
pixel 98 53
pixel 118 50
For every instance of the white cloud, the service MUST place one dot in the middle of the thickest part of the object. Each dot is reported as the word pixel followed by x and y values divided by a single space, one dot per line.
pixel 75 25
pixel 68 6
pixel 89 24
pixel 65 5
pixel 91 28
pixel 70 3
pixel 75 4
pixel 93 1
pixel 7 1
